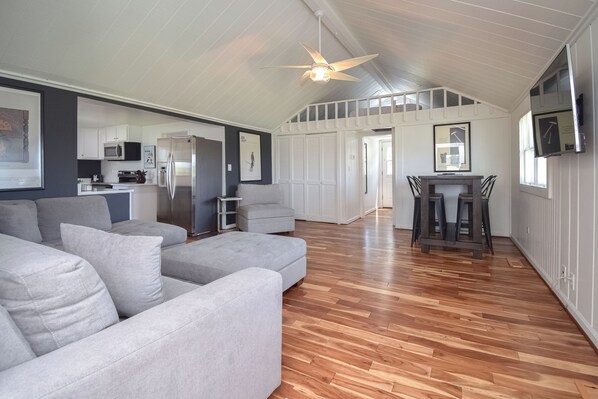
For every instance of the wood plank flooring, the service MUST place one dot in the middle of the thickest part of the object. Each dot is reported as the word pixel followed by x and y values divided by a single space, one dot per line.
pixel 378 319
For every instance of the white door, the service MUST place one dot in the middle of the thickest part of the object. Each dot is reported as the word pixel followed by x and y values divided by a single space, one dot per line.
pixel 386 169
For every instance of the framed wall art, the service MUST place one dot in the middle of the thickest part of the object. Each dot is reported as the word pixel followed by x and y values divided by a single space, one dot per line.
pixel 21 154
pixel 149 156
pixel 452 150
pixel 250 157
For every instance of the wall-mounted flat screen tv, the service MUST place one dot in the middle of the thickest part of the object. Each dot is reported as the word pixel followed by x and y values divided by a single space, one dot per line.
pixel 555 110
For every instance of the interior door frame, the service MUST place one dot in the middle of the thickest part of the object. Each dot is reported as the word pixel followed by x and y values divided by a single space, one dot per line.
pixel 382 168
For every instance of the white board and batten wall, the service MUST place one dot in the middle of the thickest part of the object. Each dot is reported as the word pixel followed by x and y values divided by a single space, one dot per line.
pixel 559 233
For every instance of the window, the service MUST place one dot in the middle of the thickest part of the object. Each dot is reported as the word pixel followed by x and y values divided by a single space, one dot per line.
pixel 532 171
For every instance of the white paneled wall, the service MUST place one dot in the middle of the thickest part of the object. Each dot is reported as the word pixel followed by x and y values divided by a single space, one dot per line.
pixel 490 144
pixel 560 232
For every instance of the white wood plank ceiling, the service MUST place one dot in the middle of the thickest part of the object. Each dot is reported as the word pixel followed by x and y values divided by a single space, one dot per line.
pixel 204 57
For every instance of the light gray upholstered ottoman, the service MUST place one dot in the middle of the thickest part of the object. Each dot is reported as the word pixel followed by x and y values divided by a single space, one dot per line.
pixel 209 259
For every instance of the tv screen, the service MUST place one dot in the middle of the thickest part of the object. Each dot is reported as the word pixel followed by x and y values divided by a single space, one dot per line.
pixel 554 110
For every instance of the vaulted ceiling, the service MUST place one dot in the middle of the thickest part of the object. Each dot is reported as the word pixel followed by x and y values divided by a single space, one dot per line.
pixel 205 57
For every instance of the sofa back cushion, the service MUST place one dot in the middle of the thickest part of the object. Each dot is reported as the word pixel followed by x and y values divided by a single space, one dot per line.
pixel 19 219
pixel 13 346
pixel 53 297
pixel 259 194
pixel 129 265
pixel 91 211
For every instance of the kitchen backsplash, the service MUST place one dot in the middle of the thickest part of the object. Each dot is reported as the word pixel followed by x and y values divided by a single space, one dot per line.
pixel 110 170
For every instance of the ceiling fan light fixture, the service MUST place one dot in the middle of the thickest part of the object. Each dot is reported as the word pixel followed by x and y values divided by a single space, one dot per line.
pixel 320 74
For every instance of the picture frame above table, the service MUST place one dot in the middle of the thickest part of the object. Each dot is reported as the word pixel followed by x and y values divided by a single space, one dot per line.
pixel 452 147
pixel 21 140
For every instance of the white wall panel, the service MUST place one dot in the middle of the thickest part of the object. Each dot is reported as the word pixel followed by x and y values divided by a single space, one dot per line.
pixel 490 154
pixel 562 229
pixel 352 177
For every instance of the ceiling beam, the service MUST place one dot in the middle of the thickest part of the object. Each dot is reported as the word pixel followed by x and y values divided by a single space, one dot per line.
pixel 345 37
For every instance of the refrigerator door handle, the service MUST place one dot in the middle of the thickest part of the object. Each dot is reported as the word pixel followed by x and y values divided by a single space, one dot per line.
pixel 172 177
pixel 168 176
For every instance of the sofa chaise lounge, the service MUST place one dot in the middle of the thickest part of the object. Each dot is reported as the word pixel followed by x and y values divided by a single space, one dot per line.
pixel 221 340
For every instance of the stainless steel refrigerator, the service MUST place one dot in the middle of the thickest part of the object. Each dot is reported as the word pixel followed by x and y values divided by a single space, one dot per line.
pixel 189 181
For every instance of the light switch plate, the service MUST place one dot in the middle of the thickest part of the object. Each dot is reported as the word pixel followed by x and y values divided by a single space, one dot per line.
pixel 230 167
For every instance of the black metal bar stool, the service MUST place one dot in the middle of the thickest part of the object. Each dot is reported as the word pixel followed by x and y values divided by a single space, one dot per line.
pixel 467 199
pixel 437 199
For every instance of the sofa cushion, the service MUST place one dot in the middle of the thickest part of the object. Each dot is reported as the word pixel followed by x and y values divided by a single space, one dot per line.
pixel 261 211
pixel 259 194
pixel 170 233
pixel 174 287
pixel 129 265
pixel 13 346
pixel 90 211
pixel 19 219
pixel 53 297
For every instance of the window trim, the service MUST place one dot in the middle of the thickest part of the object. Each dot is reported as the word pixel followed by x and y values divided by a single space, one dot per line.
pixel 531 188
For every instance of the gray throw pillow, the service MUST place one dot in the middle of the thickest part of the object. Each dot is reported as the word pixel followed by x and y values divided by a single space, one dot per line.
pixel 130 266
pixel 54 298
pixel 19 219
pixel 14 348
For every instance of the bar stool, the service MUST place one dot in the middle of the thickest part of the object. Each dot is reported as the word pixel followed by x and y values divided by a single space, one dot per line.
pixel 436 199
pixel 467 199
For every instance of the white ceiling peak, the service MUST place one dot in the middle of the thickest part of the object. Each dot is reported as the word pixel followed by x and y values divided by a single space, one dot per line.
pixel 340 31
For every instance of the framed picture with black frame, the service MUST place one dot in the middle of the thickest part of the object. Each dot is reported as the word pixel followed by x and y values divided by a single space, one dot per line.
pixel 21 140
pixel 250 157
pixel 452 147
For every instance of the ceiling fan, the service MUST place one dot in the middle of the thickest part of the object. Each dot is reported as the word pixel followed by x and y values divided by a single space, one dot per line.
pixel 321 71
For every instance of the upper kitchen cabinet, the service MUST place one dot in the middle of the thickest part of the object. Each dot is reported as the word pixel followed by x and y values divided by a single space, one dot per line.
pixel 88 144
pixel 121 133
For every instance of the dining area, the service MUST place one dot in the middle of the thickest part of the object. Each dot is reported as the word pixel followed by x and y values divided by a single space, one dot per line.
pixel 470 229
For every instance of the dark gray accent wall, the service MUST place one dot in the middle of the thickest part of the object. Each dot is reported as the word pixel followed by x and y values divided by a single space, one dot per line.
pixel 59 135
pixel 232 158
pixel 59 130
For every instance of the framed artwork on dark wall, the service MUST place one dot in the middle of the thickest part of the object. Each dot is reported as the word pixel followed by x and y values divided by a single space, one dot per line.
pixel 21 149
pixel 149 156
pixel 452 149
pixel 250 156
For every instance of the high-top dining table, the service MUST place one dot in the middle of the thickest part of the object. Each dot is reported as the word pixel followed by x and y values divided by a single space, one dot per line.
pixel 452 237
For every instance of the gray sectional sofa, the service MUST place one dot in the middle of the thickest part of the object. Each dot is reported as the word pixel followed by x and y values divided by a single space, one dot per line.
pixel 39 221
pixel 60 334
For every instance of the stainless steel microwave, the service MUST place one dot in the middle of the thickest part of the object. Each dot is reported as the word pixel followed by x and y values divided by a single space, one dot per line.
pixel 122 151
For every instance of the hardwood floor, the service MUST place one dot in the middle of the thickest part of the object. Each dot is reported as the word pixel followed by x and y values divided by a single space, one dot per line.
pixel 378 319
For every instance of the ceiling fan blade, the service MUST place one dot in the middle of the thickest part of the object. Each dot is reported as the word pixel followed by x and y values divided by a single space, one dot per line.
pixel 343 76
pixel 351 62
pixel 288 67
pixel 317 57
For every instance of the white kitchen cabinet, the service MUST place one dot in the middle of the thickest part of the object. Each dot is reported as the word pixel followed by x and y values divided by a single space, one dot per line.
pixel 88 144
pixel 122 133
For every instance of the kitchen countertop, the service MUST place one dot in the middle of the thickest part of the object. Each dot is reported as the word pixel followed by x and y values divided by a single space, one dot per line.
pixel 102 191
